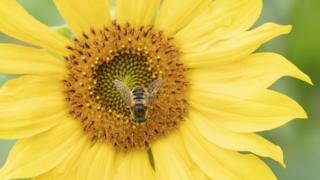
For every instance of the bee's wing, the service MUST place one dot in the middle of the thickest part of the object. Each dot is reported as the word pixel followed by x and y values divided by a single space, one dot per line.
pixel 124 92
pixel 153 89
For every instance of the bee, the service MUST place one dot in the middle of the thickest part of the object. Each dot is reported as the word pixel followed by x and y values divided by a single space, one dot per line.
pixel 139 98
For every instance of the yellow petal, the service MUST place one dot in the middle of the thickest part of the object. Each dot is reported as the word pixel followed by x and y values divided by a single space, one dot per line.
pixel 264 111
pixel 30 105
pixel 16 22
pixel 81 15
pixel 136 12
pixel 27 128
pixel 135 166
pixel 68 168
pixel 36 155
pixel 223 164
pixel 175 14
pixel 21 91
pixel 222 18
pixel 15 59
pixel 97 163
pixel 246 142
pixel 29 86
pixel 232 48
pixel 245 77
pixel 172 161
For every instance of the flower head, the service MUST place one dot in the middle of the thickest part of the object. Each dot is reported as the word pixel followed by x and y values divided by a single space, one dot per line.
pixel 167 89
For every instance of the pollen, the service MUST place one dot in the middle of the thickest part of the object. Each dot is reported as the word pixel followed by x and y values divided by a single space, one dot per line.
pixel 136 57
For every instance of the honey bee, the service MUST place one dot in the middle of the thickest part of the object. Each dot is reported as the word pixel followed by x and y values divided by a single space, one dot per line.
pixel 139 98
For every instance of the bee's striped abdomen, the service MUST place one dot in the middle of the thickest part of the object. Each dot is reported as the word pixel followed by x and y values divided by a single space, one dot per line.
pixel 138 93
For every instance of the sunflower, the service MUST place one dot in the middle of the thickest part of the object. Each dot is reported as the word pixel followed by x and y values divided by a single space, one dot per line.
pixel 166 89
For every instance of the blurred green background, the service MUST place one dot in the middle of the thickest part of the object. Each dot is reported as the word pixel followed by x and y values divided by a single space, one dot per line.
pixel 300 139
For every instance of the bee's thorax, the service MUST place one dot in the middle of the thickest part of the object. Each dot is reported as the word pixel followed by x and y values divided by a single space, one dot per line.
pixel 139 112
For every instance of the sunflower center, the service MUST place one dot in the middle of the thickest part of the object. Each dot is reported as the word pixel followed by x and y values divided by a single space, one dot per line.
pixel 133 70
pixel 112 74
